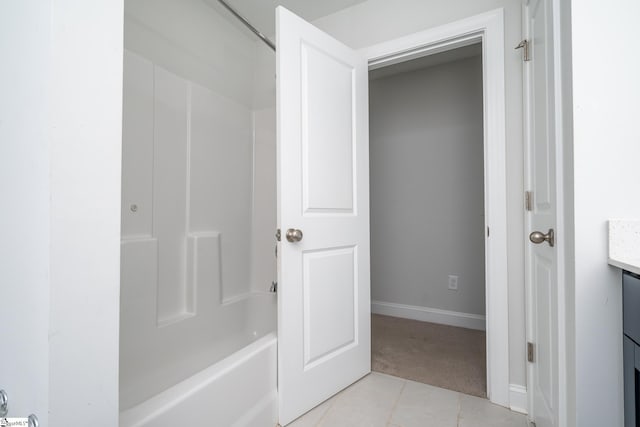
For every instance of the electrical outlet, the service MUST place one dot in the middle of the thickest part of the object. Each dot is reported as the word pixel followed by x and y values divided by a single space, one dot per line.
pixel 453 283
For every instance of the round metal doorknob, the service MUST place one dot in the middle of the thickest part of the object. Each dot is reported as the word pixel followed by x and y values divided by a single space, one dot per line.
pixel 538 237
pixel 293 235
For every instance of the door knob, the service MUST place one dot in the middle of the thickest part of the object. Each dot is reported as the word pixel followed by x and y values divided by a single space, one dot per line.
pixel 538 237
pixel 294 235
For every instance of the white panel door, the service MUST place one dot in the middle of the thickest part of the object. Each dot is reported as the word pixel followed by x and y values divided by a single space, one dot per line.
pixel 542 257
pixel 323 293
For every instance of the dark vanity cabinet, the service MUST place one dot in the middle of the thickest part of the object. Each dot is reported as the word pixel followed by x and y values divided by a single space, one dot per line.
pixel 631 328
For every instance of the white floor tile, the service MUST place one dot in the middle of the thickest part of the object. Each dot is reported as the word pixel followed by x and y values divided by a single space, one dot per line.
pixel 380 400
pixel 477 412
pixel 368 402
pixel 422 405
pixel 312 418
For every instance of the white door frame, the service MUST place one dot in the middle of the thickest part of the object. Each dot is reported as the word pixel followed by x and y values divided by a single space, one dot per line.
pixel 489 29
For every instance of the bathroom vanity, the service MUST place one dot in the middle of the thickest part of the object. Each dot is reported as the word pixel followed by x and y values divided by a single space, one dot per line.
pixel 624 252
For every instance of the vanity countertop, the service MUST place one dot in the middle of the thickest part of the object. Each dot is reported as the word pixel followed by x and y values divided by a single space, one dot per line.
pixel 624 244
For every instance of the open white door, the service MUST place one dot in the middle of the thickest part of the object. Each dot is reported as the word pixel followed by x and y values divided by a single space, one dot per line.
pixel 542 255
pixel 324 338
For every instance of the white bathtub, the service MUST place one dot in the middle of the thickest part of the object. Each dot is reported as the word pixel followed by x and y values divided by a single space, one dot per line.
pixel 237 391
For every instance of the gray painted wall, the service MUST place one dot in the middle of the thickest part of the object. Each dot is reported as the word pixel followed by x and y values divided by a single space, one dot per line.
pixel 427 203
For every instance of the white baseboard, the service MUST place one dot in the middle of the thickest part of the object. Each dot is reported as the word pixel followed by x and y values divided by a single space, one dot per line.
pixel 426 314
pixel 518 398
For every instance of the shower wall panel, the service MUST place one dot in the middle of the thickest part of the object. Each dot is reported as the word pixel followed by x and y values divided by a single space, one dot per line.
pixel 221 175
pixel 137 159
pixel 187 220
pixel 198 191
pixel 200 179
pixel 263 268
pixel 195 40
pixel 170 180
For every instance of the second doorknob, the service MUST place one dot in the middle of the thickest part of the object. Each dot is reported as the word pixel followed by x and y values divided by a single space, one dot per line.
pixel 293 235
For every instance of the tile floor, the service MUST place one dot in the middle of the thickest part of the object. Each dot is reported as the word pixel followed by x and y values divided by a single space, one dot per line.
pixel 387 401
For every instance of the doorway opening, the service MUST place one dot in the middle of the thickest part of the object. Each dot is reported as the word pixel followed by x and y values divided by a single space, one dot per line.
pixel 487 30
pixel 428 219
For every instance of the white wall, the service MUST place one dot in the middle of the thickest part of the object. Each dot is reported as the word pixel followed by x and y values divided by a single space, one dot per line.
pixel 375 21
pixel 25 214
pixel 427 196
pixel 606 151
pixel 60 133
pixel 85 142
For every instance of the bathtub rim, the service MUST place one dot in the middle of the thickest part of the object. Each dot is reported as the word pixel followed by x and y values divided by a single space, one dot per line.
pixel 175 395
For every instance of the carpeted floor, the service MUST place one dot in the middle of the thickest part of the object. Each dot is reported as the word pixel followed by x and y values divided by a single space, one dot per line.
pixel 440 355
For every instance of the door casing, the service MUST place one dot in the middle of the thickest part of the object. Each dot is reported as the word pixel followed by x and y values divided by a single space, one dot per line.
pixel 488 28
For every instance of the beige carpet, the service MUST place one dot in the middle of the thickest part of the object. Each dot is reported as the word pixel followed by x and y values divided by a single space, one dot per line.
pixel 440 355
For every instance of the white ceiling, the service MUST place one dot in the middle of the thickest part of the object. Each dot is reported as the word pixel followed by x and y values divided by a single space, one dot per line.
pixel 261 13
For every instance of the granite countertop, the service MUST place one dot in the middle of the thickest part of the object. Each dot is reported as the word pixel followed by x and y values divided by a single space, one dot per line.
pixel 624 244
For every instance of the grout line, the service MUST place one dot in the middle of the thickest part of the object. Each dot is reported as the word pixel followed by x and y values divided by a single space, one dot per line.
pixel 395 403
pixel 331 402
pixel 459 409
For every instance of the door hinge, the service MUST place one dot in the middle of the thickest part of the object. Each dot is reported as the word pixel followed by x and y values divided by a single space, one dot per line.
pixel 528 200
pixel 524 45
pixel 530 352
